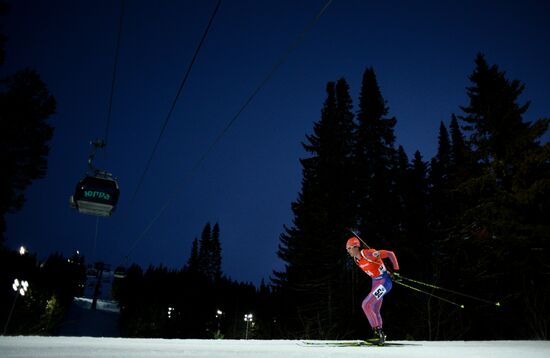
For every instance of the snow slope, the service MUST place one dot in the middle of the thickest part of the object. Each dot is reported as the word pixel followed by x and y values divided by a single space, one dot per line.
pixel 83 321
pixel 123 347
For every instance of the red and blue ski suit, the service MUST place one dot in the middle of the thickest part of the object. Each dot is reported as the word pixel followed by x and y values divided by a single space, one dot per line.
pixel 371 262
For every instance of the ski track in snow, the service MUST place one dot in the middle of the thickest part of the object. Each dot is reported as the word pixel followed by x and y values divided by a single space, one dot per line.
pixel 19 347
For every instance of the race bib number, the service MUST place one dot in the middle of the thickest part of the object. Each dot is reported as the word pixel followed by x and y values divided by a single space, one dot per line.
pixel 379 292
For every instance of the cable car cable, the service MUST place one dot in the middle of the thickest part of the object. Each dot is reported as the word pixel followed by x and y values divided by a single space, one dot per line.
pixel 113 81
pixel 171 110
pixel 95 239
pixel 167 119
pixel 194 169
pixel 270 74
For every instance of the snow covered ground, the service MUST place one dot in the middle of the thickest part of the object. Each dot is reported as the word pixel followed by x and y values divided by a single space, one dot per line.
pixel 123 347
pixel 82 321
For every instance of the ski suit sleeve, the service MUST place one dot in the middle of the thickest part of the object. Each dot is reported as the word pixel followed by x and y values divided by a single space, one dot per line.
pixel 385 254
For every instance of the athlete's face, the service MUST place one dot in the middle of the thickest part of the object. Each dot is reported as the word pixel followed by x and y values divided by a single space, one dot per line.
pixel 353 251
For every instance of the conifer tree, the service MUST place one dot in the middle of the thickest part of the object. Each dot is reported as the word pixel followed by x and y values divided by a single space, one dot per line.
pixel 401 174
pixel 460 152
pixel 440 164
pixel 412 189
pixel 205 247
pixel 494 118
pixel 417 212
pixel 375 157
pixel 402 162
pixel 25 106
pixel 312 249
pixel 503 201
pixel 439 176
pixel 503 143
pixel 458 167
pixel 419 181
pixel 216 254
pixel 193 262
pixel 209 253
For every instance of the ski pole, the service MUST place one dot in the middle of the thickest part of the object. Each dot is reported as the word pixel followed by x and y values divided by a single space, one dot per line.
pixel 451 291
pixel 359 237
pixel 429 294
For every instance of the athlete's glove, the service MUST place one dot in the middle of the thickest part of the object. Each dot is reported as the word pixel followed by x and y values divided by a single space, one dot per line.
pixel 395 276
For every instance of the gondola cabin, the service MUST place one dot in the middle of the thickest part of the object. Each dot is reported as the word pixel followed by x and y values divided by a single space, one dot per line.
pixel 120 272
pixel 91 272
pixel 96 195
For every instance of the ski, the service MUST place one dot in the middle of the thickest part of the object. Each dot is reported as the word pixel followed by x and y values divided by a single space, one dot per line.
pixel 353 343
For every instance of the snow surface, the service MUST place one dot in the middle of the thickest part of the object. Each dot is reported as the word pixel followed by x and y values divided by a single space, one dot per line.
pixel 82 321
pixel 127 347
pixel 101 305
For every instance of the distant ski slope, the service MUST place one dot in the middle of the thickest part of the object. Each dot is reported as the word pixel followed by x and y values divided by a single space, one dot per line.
pixel 76 347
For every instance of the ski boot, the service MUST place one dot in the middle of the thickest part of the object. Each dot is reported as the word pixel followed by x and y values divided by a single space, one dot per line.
pixel 379 337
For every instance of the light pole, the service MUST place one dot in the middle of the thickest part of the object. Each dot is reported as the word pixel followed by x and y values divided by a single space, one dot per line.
pixel 20 288
pixel 219 315
pixel 22 250
pixel 247 318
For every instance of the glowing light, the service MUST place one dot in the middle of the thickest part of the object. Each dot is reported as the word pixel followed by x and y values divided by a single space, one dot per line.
pixel 20 286
pixel 248 319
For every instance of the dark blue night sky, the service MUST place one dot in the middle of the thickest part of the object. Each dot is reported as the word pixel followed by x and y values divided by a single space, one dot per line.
pixel 422 52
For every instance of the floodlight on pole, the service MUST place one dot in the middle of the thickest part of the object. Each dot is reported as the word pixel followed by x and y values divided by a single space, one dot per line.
pixel 219 315
pixel 20 287
pixel 248 318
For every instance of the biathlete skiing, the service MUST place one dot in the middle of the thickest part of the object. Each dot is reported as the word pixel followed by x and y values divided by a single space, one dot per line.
pixel 370 261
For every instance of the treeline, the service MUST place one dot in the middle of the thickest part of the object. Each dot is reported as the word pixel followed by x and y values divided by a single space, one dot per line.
pixel 472 219
pixel 196 301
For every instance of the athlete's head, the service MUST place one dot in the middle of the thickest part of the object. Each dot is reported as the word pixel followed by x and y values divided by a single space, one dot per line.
pixel 352 242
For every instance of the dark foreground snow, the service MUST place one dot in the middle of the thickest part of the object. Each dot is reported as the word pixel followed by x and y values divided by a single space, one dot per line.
pixel 75 347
